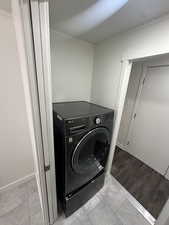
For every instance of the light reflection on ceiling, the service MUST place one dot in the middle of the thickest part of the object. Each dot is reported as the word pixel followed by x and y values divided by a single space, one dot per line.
pixel 91 17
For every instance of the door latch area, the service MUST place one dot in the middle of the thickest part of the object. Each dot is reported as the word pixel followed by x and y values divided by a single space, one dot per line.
pixel 47 168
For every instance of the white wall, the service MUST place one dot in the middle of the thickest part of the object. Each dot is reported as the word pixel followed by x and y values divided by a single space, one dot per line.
pixel 16 158
pixel 132 90
pixel 72 68
pixel 150 39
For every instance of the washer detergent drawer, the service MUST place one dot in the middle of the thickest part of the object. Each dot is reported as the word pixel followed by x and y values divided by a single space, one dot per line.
pixel 79 198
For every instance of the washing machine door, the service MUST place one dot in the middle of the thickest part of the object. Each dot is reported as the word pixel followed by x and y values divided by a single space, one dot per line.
pixel 90 154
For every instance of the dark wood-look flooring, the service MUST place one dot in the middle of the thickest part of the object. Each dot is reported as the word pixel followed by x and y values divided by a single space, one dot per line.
pixel 149 187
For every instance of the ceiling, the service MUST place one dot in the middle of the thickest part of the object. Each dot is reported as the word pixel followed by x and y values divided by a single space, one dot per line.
pixel 134 13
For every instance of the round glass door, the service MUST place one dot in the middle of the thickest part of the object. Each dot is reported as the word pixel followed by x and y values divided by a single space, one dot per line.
pixel 91 152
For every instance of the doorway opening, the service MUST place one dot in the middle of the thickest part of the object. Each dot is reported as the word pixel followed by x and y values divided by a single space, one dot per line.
pixel 72 61
pixel 141 157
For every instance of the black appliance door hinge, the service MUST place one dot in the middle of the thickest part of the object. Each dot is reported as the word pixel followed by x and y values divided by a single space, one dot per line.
pixel 47 168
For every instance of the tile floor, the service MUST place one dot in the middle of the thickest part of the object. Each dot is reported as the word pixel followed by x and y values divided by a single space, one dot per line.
pixel 113 205
pixel 21 205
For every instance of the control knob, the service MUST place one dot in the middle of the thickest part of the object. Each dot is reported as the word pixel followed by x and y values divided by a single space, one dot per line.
pixel 97 121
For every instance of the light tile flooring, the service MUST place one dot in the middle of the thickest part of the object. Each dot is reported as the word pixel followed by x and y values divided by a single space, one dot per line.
pixel 21 205
pixel 113 205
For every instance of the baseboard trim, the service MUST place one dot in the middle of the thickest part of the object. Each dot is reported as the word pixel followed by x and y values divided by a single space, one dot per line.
pixel 166 176
pixel 18 182
pixel 124 148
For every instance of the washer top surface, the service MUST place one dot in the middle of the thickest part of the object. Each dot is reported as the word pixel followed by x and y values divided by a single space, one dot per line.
pixel 77 109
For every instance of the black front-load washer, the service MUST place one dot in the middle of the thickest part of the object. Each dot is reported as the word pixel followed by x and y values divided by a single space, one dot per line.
pixel 82 136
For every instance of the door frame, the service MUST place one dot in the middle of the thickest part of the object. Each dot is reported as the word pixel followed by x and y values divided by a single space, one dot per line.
pixel 137 100
pixel 31 21
pixel 41 37
pixel 122 91
pixel 145 66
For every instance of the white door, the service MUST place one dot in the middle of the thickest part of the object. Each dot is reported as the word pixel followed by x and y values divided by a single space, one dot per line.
pixel 149 139
pixel 129 104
